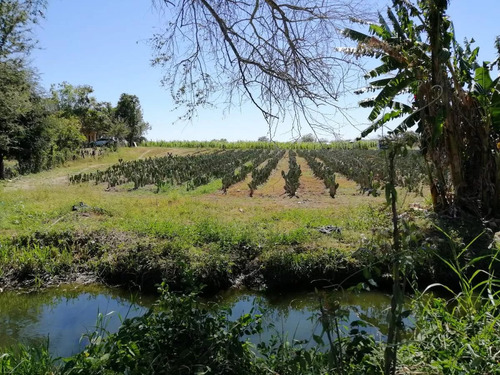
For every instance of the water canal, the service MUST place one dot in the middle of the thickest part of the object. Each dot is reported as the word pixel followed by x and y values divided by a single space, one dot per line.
pixel 62 316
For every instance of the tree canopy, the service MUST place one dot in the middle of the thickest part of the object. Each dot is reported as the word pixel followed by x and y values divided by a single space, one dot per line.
pixel 16 80
pixel 40 131
pixel 129 112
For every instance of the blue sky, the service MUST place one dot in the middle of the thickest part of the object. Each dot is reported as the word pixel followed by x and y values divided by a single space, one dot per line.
pixel 103 43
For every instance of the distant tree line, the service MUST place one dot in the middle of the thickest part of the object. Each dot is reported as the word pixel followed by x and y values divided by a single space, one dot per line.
pixel 97 119
pixel 38 129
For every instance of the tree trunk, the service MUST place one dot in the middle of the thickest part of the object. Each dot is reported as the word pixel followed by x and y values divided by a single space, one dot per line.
pixel 2 167
pixel 471 145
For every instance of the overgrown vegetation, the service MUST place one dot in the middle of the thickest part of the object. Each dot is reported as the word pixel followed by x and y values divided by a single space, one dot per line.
pixel 138 238
pixel 184 240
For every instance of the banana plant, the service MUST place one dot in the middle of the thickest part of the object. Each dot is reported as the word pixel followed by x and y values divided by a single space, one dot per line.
pixel 454 106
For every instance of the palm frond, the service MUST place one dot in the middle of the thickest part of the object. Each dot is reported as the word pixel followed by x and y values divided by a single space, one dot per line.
pixel 385 68
pixel 355 35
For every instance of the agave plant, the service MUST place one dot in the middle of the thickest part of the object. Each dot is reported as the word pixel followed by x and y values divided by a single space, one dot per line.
pixel 322 172
pixel 292 177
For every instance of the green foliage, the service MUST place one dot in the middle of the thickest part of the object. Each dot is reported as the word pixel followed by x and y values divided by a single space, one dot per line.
pixel 26 134
pixel 308 138
pixel 15 102
pixel 99 118
pixel 261 175
pixel 47 140
pixel 343 145
pixel 22 360
pixel 419 55
pixel 128 110
pixel 192 170
pixel 322 172
pixel 458 334
pixel 72 100
pixel 68 101
pixel 368 168
pixel 15 29
pixel 299 267
pixel 177 337
pixel 246 167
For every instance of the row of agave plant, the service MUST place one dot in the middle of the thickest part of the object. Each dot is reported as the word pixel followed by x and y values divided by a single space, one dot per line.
pixel 192 170
pixel 231 166
pixel 322 172
pixel 261 175
pixel 368 168
pixel 251 167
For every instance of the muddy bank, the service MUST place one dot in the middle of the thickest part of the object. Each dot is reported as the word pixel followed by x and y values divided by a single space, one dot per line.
pixel 142 262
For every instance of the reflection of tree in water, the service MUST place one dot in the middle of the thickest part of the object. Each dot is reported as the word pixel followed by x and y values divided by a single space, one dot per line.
pixel 370 307
pixel 19 310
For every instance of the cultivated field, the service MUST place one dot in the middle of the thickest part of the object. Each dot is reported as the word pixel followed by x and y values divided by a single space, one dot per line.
pixel 136 228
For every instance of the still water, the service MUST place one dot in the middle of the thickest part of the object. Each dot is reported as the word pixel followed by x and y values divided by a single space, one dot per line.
pixel 62 315
pixel 295 316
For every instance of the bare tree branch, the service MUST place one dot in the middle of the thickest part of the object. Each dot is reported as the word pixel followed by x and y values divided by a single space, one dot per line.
pixel 280 55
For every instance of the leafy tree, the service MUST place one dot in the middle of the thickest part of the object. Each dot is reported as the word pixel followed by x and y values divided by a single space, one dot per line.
pixel 65 138
pixel 308 138
pixel 100 118
pixel 455 108
pixel 128 110
pixel 34 140
pixel 15 79
pixel 15 33
pixel 46 139
pixel 76 101
pixel 72 100
pixel 118 129
pixel 14 102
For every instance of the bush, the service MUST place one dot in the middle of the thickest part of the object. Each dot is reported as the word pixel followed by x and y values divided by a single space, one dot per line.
pixel 176 337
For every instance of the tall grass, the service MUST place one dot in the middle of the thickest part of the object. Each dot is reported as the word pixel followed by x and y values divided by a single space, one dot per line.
pixel 22 360
pixel 344 145
pixel 459 333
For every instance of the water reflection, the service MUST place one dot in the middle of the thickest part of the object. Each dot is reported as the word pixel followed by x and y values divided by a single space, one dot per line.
pixel 295 315
pixel 61 315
